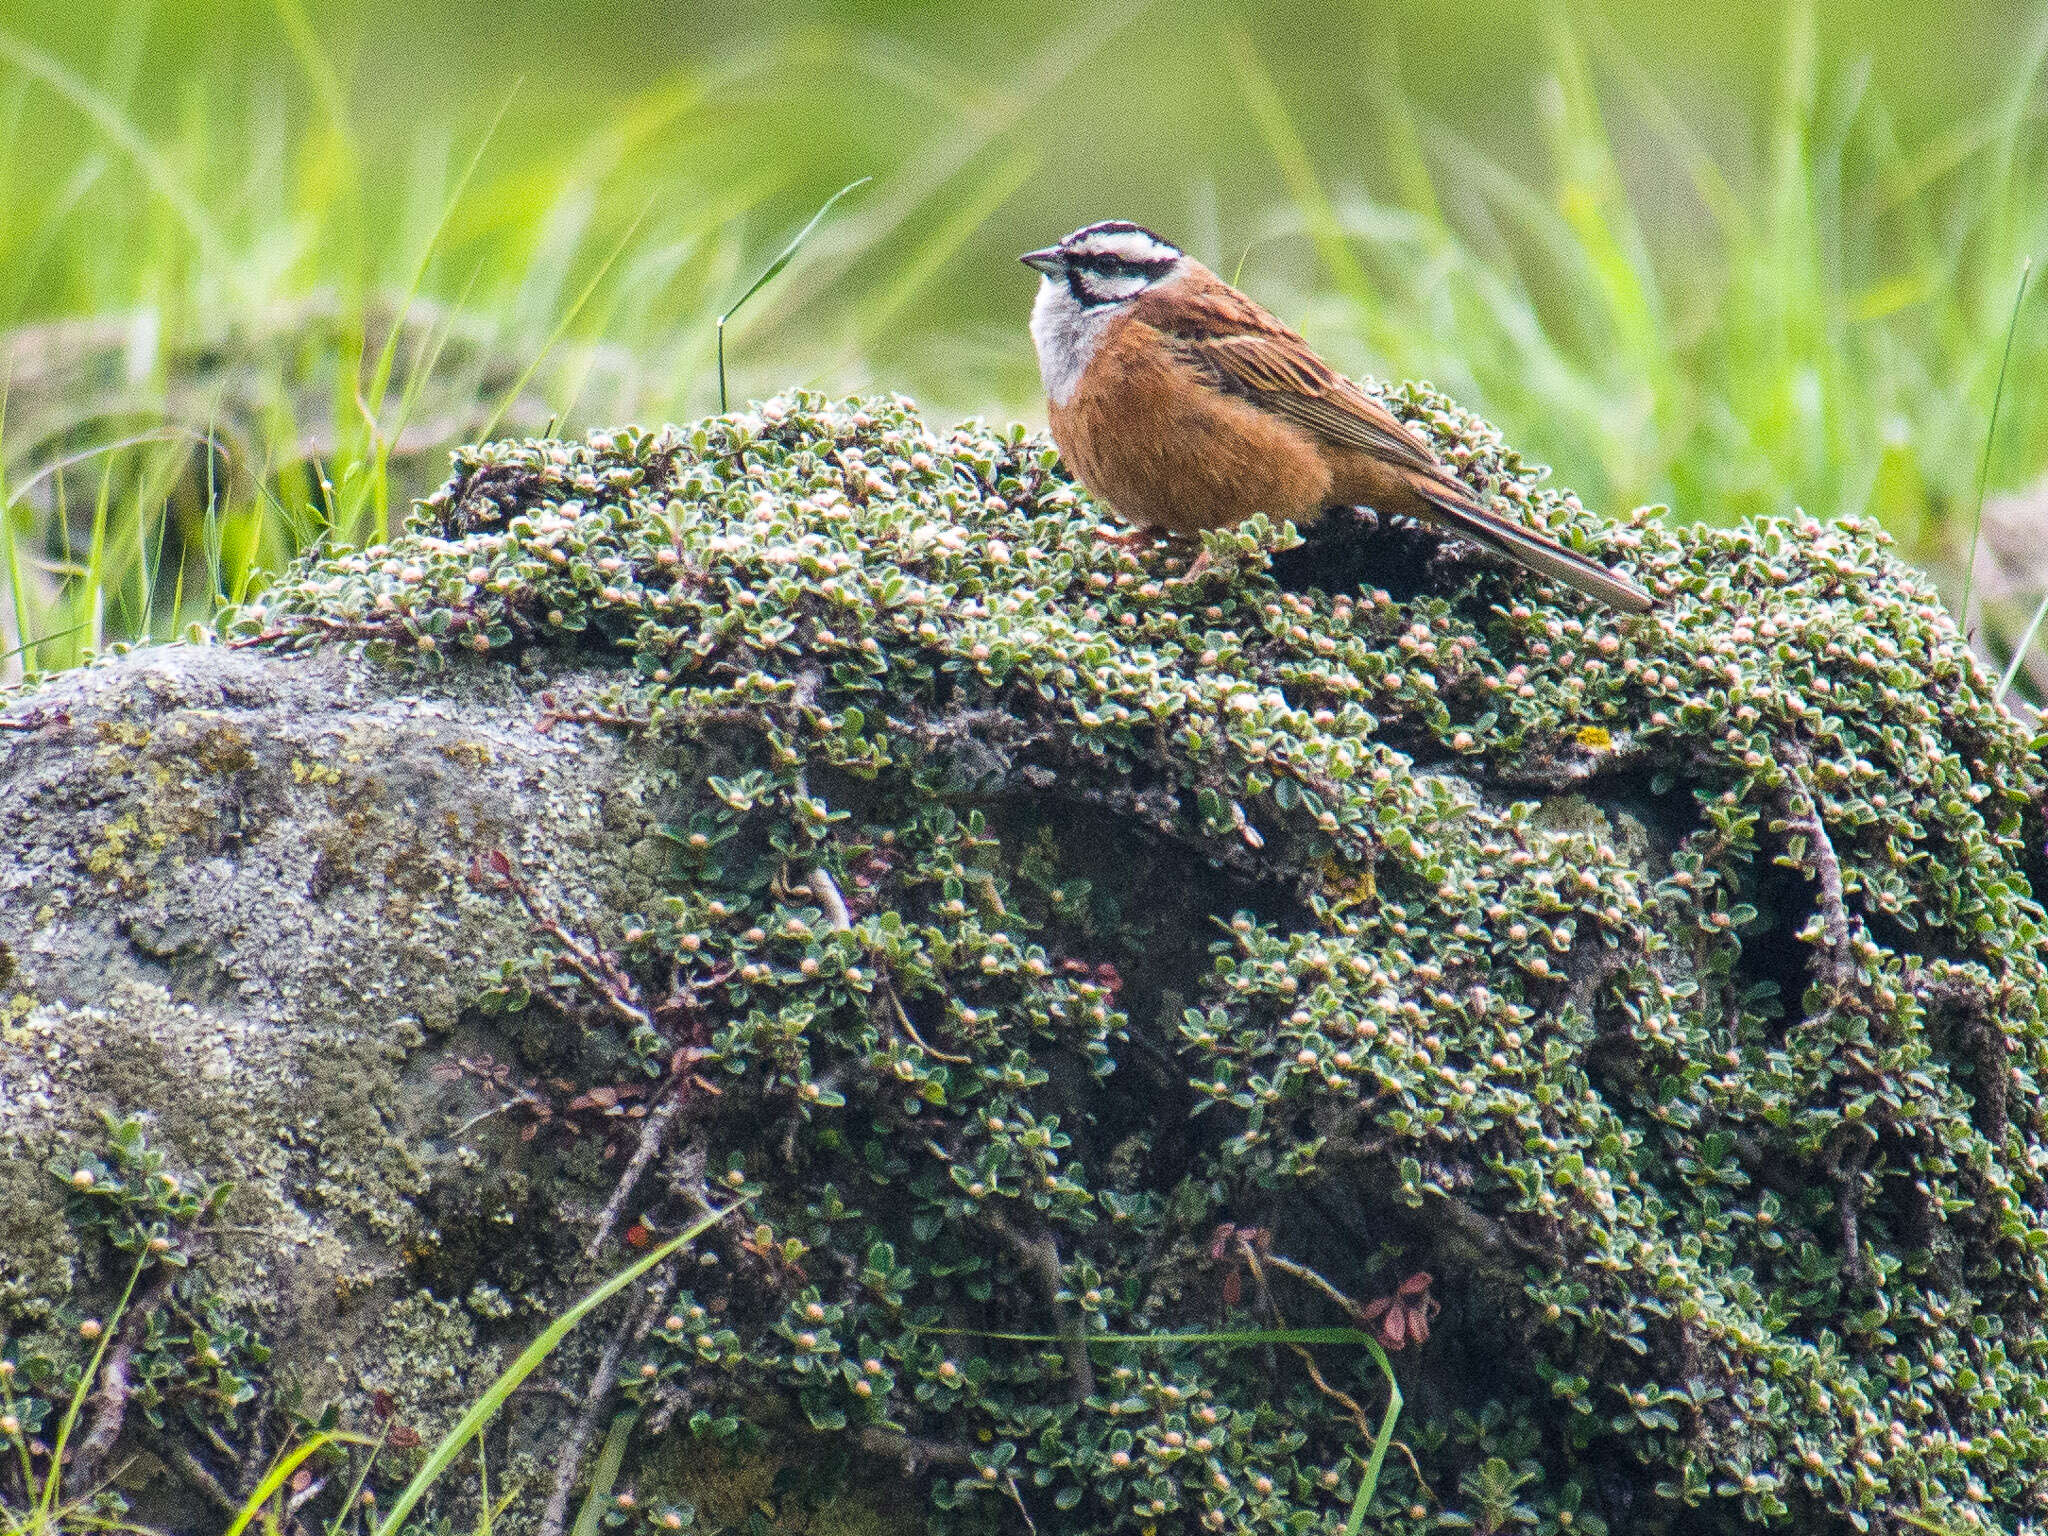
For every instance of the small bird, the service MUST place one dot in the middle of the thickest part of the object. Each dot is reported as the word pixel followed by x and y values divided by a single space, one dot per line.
pixel 1186 406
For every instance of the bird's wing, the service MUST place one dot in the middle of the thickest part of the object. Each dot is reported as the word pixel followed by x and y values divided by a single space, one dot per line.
pixel 1242 349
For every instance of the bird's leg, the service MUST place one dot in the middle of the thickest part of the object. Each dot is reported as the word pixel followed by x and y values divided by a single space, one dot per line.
pixel 1132 539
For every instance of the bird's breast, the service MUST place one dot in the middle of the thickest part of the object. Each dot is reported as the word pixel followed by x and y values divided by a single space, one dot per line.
pixel 1147 434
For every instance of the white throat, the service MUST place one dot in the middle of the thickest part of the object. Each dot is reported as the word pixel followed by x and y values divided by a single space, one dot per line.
pixel 1066 336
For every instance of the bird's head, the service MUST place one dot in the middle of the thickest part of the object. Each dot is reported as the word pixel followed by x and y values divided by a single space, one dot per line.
pixel 1107 264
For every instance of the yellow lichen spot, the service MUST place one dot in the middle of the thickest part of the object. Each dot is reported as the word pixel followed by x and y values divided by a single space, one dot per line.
pixel 222 749
pixel 125 733
pixel 113 844
pixel 1594 738
pixel 1347 887
pixel 473 754
pixel 304 772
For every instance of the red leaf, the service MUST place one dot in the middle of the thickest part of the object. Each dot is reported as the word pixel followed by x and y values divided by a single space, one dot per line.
pixel 1233 1288
pixel 637 1236
pixel 1394 1330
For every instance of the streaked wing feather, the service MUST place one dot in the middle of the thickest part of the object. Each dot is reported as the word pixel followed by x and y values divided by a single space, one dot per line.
pixel 1282 376
pixel 1244 350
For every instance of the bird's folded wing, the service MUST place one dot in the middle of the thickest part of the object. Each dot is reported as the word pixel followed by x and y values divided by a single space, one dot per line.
pixel 1281 375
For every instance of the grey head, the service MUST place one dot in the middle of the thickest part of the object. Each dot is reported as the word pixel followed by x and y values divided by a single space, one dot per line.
pixel 1087 279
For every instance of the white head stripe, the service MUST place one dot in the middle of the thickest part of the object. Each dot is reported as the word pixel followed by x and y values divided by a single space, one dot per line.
pixel 1129 244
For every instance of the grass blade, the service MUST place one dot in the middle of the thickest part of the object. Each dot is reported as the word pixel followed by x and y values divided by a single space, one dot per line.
pixel 1283 139
pixel 372 405
pixel 606 1473
pixel 568 319
pixel 931 257
pixel 1369 1479
pixel 774 270
pixel 1990 434
pixel 119 131
pixel 2019 652
pixel 281 1474
pixel 485 1408
pixel 71 460
pixel 87 1384
pixel 40 640
pixel 10 552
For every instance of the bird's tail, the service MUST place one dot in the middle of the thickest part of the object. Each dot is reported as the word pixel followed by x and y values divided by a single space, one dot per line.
pixel 1456 513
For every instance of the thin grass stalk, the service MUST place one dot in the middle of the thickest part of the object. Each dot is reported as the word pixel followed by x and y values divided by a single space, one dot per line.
pixel 486 1407
pixel 772 271
pixel 605 1475
pixel 1990 435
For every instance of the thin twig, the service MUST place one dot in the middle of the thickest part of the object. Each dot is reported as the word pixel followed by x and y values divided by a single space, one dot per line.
pixel 1250 1255
pixel 653 1135
pixel 911 1453
pixel 189 1467
pixel 598 969
pixel 910 1029
pixel 826 889
pixel 602 1380
pixel 115 1387
pixel 1849 1201
pixel 578 714
pixel 1303 1273
pixel 1802 815
pixel 1041 1259
pixel 1416 1467
pixel 1017 1498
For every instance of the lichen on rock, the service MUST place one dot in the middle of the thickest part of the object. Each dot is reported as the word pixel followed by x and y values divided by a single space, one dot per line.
pixel 1048 945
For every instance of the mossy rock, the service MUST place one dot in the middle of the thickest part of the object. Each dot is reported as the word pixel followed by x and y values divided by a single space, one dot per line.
pixel 1045 944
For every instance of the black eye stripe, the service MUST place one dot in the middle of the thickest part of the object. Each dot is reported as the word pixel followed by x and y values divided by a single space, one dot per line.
pixel 1087 269
pixel 1112 265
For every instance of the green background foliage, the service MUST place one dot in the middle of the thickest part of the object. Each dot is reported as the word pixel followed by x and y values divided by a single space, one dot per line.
pixel 1734 256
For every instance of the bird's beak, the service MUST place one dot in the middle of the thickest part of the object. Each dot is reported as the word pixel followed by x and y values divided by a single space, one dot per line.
pixel 1048 261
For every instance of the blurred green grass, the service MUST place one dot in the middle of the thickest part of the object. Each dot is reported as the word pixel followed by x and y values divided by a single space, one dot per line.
pixel 1732 257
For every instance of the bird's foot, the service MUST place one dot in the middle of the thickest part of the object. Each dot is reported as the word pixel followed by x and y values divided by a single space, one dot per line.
pixel 1131 539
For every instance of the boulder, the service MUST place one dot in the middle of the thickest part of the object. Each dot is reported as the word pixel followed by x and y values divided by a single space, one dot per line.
pixel 1634 1028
